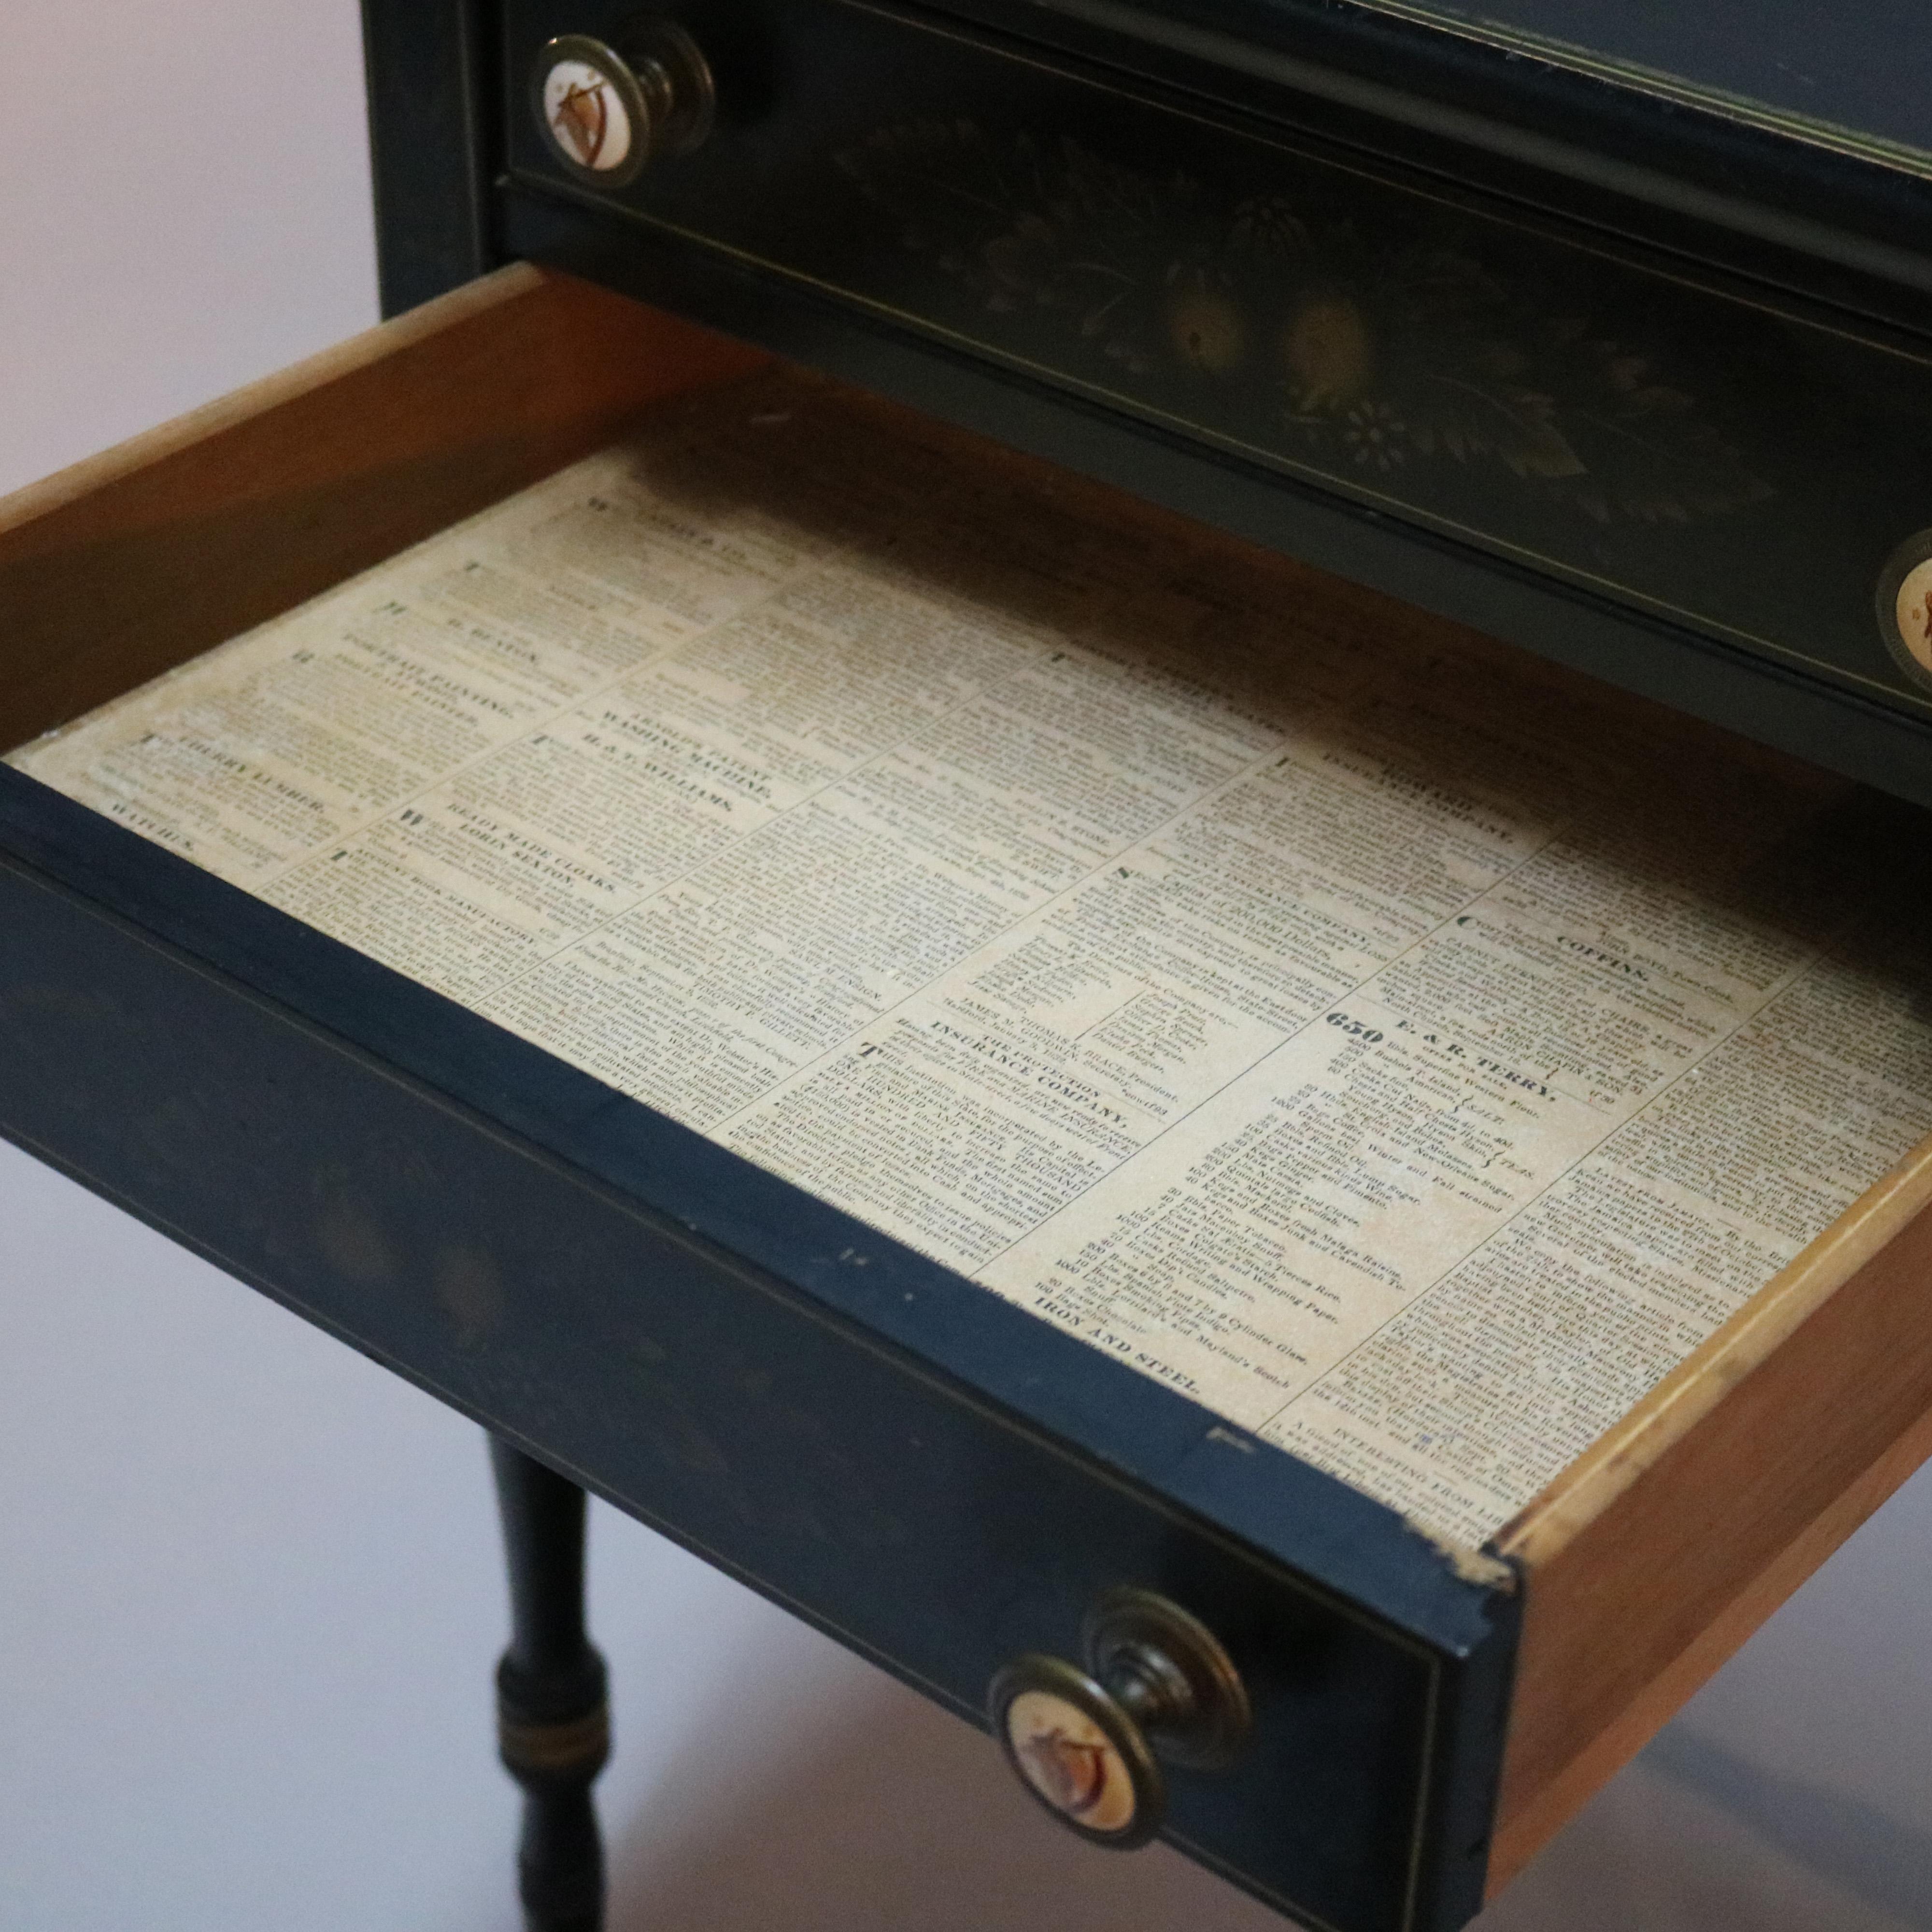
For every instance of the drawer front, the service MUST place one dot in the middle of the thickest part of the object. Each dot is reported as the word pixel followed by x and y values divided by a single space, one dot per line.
pixel 916 1523
pixel 1695 451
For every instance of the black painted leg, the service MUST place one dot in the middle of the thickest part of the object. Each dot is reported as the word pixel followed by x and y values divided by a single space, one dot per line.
pixel 553 1723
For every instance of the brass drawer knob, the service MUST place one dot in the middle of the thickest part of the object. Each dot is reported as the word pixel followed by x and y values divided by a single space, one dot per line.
pixel 609 108
pixel 1087 1743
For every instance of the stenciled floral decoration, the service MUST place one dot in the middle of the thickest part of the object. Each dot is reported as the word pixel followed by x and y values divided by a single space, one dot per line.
pixel 1369 356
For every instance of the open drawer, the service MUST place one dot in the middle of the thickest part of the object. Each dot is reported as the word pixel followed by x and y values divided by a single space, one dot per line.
pixel 931 1471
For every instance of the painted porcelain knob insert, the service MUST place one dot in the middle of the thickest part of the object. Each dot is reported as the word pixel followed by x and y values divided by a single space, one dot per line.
pixel 1088 1743
pixel 609 108
pixel 1905 607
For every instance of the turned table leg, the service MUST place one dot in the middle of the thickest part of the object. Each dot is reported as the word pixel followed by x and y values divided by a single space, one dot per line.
pixel 553 1723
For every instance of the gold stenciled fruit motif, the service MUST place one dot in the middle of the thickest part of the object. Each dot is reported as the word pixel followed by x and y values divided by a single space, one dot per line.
pixel 1207 327
pixel 1355 329
pixel 1330 353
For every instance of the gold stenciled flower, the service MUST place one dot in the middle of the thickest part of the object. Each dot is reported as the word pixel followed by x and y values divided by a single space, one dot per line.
pixel 1376 436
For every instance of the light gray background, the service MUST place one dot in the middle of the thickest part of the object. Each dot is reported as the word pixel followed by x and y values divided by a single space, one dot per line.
pixel 249 1593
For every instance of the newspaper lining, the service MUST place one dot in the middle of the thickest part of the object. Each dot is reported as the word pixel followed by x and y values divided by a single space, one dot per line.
pixel 1408 1053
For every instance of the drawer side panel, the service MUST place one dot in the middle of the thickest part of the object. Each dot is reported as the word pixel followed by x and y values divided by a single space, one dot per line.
pixel 1623 1622
pixel 126 565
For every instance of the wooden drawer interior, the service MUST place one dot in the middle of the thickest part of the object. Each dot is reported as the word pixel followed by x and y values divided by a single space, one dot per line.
pixel 137 560
pixel 1644 1564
